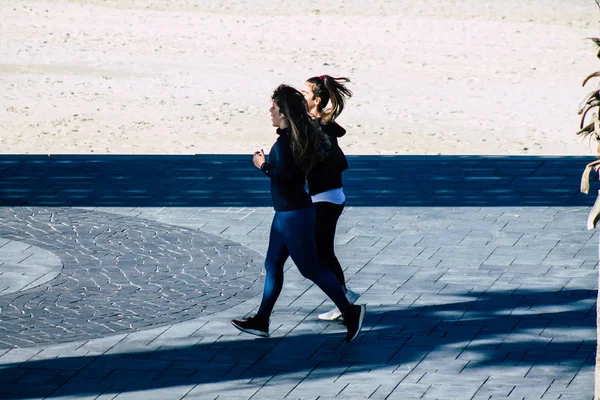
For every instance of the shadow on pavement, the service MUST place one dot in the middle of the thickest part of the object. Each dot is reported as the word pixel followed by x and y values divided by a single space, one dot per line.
pixel 481 331
pixel 232 181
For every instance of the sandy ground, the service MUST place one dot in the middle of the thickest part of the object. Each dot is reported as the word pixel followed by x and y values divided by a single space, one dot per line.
pixel 194 76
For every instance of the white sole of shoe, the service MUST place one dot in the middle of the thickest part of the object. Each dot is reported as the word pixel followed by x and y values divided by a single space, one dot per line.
pixel 335 314
pixel 332 315
pixel 252 331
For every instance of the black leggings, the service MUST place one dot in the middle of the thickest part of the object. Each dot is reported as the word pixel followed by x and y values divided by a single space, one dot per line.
pixel 327 218
pixel 292 234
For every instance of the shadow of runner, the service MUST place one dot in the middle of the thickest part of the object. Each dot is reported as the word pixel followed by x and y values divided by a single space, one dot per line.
pixel 517 330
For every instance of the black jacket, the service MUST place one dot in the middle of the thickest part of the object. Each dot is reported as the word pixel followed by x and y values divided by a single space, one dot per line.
pixel 327 174
pixel 287 179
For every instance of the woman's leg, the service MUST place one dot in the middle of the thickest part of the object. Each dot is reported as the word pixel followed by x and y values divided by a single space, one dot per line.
pixel 299 236
pixel 325 225
pixel 277 254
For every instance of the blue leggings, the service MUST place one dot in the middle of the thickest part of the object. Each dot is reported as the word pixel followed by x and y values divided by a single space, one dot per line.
pixel 293 235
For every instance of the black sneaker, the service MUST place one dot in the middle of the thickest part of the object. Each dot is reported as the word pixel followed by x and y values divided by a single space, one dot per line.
pixel 252 325
pixel 354 320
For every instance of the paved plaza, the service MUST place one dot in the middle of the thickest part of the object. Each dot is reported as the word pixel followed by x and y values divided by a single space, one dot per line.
pixel 119 276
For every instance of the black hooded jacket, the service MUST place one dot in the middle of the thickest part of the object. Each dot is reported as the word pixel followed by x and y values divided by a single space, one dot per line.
pixel 327 174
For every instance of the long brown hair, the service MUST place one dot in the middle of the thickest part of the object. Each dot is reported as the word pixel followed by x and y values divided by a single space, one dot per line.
pixel 331 89
pixel 309 143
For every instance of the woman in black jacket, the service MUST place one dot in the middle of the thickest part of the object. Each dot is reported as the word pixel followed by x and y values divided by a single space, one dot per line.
pixel 325 179
pixel 299 146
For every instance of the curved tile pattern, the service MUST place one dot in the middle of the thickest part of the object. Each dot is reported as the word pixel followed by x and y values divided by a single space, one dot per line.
pixel 120 274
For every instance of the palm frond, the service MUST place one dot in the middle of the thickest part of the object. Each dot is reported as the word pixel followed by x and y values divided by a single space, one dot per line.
pixel 595 40
pixel 595 74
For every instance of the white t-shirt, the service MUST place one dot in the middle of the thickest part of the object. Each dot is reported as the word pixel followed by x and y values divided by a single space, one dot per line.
pixel 335 196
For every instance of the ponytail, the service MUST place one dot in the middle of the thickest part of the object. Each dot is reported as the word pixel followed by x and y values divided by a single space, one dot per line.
pixel 331 89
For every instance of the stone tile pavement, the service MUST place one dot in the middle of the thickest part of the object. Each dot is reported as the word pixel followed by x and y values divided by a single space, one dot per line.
pixel 119 276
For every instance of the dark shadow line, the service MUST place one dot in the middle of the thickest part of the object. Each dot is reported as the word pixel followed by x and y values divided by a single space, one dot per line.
pixel 220 180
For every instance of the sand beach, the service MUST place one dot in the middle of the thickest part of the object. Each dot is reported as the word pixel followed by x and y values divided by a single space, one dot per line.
pixel 195 76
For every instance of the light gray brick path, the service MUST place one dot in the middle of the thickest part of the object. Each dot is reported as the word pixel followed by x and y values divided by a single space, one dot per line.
pixel 464 301
pixel 23 266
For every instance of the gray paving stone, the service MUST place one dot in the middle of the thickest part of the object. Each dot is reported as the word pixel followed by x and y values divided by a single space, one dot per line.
pixel 309 388
pixel 15 248
pixel 406 390
pixel 19 355
pixel 171 392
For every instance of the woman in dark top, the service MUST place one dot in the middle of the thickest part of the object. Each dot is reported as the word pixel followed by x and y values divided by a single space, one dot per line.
pixel 325 179
pixel 299 146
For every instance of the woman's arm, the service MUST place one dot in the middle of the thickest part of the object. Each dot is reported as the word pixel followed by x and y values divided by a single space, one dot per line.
pixel 282 169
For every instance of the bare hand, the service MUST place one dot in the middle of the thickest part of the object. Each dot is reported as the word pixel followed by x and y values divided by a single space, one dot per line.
pixel 259 158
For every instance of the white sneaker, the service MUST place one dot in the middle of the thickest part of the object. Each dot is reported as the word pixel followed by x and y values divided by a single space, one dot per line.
pixel 335 313
pixel 351 296
pixel 331 315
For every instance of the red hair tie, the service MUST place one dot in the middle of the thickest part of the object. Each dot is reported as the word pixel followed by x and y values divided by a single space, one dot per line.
pixel 321 77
